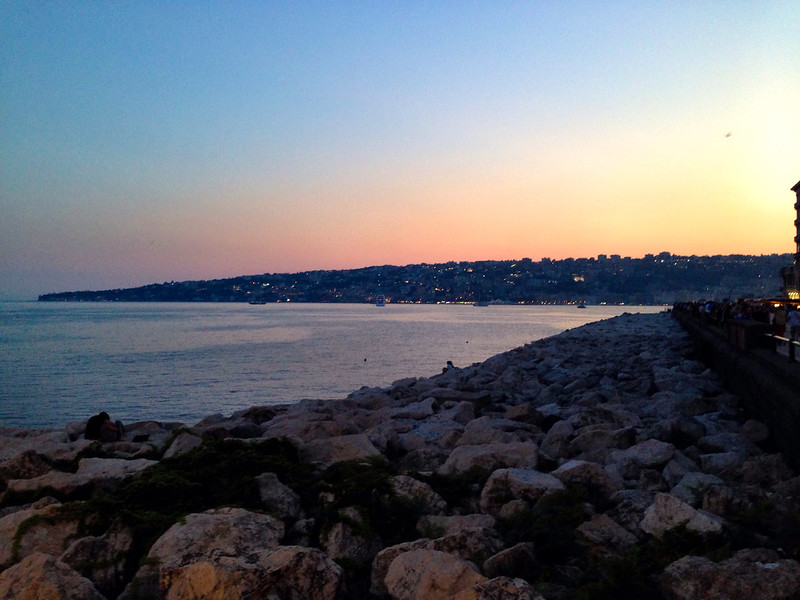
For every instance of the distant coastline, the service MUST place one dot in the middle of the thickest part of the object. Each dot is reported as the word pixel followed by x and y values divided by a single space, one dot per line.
pixel 652 280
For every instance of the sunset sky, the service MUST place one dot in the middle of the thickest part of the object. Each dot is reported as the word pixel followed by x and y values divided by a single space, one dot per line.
pixel 145 141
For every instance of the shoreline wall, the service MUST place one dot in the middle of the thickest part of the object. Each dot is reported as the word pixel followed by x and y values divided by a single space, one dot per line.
pixel 769 390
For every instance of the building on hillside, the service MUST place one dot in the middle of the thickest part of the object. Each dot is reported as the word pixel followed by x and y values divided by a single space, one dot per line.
pixel 791 274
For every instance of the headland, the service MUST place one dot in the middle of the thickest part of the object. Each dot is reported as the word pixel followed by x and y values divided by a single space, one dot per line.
pixel 604 462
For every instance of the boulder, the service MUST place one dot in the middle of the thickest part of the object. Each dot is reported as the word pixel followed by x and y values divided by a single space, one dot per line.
pixel 509 484
pixel 429 575
pixel 650 453
pixel 668 512
pixel 499 588
pixel 766 470
pixel 25 465
pixel 216 533
pixel 437 433
pixel 475 545
pixel 517 561
pixel 605 536
pixel 182 443
pixel 331 450
pixel 45 532
pixel 693 486
pixel 488 457
pixel 92 472
pixel 750 573
pixel 44 577
pixel 345 541
pixel 419 494
pixel 10 521
pixel 725 464
pixel 228 538
pixel 436 526
pixel 382 561
pixel 292 572
pixel 102 559
pixel 493 430
pixel 46 442
pixel 588 475
pixel 755 431
pixel 277 498
pixel 310 420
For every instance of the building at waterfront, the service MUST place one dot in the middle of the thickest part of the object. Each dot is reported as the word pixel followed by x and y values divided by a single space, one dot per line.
pixel 791 274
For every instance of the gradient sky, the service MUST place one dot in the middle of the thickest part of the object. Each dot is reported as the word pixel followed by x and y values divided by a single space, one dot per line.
pixel 142 141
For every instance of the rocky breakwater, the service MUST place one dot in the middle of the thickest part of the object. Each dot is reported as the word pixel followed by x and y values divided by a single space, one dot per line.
pixel 604 462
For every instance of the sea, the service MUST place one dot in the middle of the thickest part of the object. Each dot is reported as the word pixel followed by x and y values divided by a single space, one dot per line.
pixel 176 362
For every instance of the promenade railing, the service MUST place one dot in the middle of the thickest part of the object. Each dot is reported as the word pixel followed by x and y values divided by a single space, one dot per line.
pixel 785 346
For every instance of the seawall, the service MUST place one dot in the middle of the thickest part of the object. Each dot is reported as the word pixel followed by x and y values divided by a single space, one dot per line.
pixel 767 384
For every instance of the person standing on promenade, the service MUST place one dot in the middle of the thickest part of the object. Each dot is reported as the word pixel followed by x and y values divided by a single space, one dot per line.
pixel 779 320
pixel 794 323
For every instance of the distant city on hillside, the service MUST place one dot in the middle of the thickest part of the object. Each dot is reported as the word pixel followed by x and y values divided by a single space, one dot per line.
pixel 608 279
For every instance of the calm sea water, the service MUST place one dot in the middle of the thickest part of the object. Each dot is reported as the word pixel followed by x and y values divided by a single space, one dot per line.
pixel 62 362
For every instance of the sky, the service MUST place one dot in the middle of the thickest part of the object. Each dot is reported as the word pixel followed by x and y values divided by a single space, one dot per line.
pixel 144 141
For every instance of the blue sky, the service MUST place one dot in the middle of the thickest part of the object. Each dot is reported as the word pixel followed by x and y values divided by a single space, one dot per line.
pixel 142 142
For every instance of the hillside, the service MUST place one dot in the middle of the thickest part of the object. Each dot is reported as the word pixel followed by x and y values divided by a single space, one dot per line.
pixel 654 279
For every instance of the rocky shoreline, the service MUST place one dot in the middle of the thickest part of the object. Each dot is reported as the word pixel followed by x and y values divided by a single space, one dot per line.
pixel 605 462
